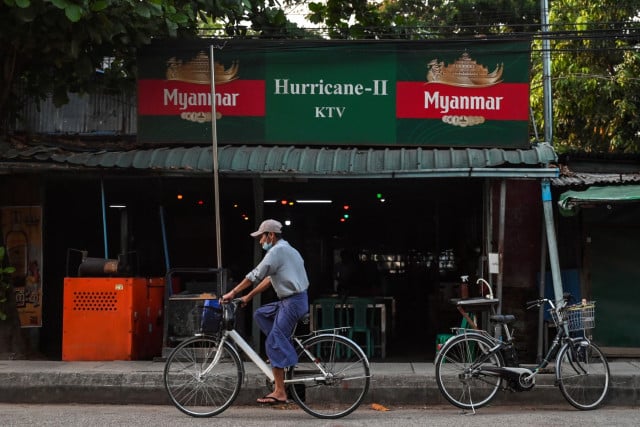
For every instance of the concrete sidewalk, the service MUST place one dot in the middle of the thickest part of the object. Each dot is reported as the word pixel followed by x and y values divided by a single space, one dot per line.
pixel 140 382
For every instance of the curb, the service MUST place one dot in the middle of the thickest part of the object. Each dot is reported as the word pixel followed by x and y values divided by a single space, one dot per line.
pixel 148 388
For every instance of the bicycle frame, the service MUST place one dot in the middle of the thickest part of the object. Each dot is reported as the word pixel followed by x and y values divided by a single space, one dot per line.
pixel 237 339
pixel 562 337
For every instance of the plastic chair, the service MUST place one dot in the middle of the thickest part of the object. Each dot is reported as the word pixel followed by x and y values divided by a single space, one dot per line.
pixel 361 323
pixel 328 320
pixel 329 308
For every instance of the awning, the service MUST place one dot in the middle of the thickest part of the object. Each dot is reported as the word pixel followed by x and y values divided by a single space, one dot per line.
pixel 297 162
pixel 571 201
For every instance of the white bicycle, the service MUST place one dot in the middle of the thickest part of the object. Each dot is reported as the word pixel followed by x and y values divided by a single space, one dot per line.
pixel 203 374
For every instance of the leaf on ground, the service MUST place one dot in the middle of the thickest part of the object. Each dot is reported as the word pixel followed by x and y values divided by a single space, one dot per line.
pixel 379 407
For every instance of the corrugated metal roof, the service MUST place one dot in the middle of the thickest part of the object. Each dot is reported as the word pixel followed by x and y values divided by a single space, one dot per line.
pixel 94 114
pixel 580 179
pixel 291 161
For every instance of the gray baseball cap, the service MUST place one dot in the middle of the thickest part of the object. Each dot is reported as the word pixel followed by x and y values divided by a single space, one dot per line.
pixel 268 226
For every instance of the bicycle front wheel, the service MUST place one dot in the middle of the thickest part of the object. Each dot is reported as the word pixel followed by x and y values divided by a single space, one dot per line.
pixel 335 382
pixel 583 374
pixel 195 385
pixel 464 371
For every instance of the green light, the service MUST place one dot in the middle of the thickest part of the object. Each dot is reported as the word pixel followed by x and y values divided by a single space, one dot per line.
pixel 378 195
pixel 345 216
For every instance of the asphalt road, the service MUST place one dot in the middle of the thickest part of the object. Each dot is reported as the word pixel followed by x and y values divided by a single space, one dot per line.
pixel 445 416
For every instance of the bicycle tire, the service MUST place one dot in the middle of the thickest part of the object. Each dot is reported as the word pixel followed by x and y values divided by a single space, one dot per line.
pixel 197 395
pixel 459 373
pixel 347 381
pixel 583 374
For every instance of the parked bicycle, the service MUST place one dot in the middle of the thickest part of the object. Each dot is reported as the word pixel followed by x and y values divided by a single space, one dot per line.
pixel 203 374
pixel 472 366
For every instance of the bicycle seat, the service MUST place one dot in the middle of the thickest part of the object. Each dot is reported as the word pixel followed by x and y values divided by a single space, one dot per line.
pixel 503 318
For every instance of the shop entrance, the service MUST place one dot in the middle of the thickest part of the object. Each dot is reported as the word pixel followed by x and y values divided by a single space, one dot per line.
pixel 407 241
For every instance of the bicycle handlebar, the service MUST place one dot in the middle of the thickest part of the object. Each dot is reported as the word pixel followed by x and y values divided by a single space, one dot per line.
pixel 535 303
pixel 567 297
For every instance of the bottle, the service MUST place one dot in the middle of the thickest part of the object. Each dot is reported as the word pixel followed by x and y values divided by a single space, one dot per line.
pixel 464 287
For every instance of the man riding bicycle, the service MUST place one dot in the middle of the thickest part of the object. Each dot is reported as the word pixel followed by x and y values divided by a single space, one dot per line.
pixel 283 268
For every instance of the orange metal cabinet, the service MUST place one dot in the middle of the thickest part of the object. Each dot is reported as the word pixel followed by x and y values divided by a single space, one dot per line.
pixel 108 318
pixel 154 320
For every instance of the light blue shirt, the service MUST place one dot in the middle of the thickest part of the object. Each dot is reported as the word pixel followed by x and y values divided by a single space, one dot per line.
pixel 284 264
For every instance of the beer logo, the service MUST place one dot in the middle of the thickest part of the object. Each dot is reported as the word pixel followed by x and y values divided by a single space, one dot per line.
pixel 197 71
pixel 464 72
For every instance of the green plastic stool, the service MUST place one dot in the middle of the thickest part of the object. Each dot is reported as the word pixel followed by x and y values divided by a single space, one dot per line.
pixel 441 339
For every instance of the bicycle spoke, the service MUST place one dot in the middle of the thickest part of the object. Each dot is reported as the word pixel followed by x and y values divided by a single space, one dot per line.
pixel 345 381
pixel 190 389
pixel 459 372
pixel 583 374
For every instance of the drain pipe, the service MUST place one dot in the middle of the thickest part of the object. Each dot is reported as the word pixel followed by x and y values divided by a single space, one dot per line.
pixel 104 219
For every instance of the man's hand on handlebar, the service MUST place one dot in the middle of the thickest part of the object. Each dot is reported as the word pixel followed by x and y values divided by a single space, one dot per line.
pixel 227 297
pixel 230 297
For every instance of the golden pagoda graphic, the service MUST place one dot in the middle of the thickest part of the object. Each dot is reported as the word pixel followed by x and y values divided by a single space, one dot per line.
pixel 197 70
pixel 464 72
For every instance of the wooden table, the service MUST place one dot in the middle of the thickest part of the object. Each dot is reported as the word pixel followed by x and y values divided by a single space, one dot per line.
pixel 193 297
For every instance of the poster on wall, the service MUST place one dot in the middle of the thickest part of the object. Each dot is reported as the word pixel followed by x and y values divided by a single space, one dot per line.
pixel 22 237
pixel 336 93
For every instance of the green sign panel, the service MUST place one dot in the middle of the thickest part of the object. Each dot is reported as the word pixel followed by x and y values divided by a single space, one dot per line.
pixel 334 93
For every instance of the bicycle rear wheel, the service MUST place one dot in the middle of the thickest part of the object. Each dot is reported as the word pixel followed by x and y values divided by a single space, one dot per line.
pixel 342 389
pixel 196 391
pixel 583 374
pixel 459 371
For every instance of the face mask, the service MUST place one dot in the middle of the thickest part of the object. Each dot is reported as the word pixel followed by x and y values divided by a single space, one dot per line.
pixel 267 245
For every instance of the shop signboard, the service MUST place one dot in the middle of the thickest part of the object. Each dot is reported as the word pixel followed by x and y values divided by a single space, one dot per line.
pixel 336 93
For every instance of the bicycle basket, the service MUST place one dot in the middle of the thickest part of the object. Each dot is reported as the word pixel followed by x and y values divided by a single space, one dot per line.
pixel 578 316
pixel 206 318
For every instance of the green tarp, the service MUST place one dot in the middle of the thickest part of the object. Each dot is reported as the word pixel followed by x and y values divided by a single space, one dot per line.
pixel 570 201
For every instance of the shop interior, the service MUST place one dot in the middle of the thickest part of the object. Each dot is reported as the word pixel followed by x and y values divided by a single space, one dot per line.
pixel 404 242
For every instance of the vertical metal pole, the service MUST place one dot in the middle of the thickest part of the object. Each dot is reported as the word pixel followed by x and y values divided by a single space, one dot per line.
pixel 551 241
pixel 488 223
pixel 124 235
pixel 104 219
pixel 165 246
pixel 546 73
pixel 258 197
pixel 501 226
pixel 480 269
pixel 214 138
